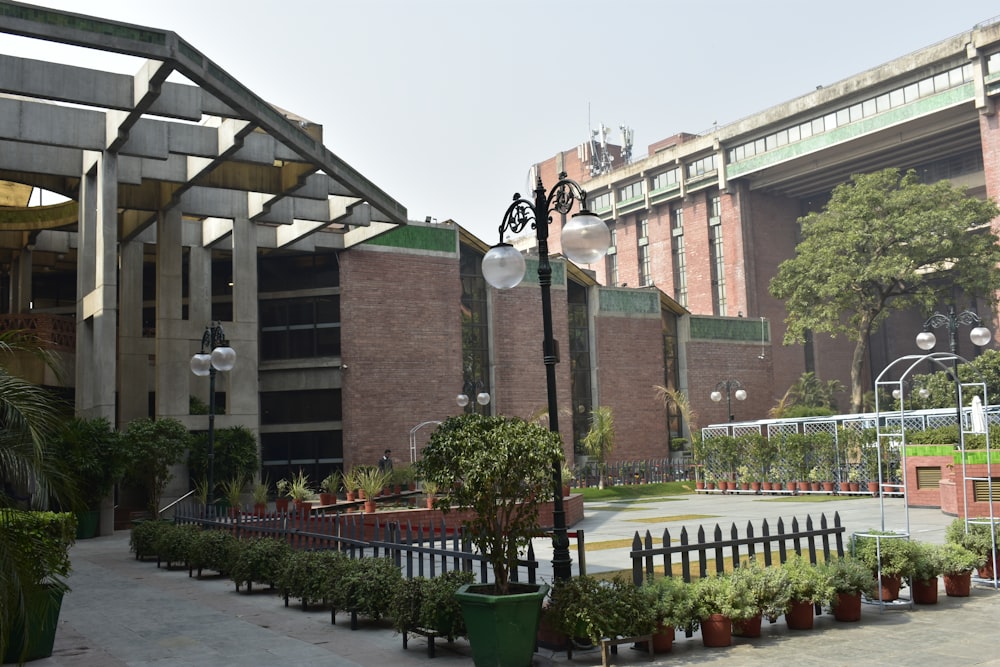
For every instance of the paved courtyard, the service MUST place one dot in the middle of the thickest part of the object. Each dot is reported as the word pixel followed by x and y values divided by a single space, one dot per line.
pixel 125 612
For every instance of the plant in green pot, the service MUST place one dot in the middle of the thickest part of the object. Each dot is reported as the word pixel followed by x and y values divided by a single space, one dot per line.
pixel 39 543
pixel 957 564
pixel 497 469
pixel 850 579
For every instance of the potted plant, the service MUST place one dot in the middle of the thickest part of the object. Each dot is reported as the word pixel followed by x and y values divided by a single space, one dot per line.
pixel 232 491
pixel 259 493
pixel 808 585
pixel 282 500
pixel 350 480
pixel 957 564
pixel 716 603
pixel 430 489
pixel 403 477
pixel 328 489
pixel 888 556
pixel 371 480
pixel 766 589
pixel 298 490
pixel 567 477
pixel 40 543
pixel 498 470
pixel 927 566
pixel 850 579
pixel 595 609
pixel 674 610
pixel 94 456
pixel 978 537
pixel 154 447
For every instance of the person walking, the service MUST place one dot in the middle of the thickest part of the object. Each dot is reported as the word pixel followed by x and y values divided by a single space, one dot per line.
pixel 385 463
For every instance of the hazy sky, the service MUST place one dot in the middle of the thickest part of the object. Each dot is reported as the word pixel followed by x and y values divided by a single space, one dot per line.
pixel 445 104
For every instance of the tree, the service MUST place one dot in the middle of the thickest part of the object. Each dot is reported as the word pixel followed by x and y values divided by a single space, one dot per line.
pixel 600 439
pixel 808 397
pixel 885 242
pixel 154 446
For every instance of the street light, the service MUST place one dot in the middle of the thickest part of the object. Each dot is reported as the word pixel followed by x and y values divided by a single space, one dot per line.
pixel 585 240
pixel 979 336
pixel 732 388
pixel 473 388
pixel 215 355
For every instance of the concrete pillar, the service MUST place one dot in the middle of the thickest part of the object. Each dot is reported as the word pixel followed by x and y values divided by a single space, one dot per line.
pixel 242 393
pixel 133 361
pixel 21 303
pixel 174 336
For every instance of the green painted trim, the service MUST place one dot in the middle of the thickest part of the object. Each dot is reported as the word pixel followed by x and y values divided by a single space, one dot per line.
pixel 977 457
pixel 531 272
pixel 412 237
pixel 725 328
pixel 923 106
pixel 930 450
pixel 645 302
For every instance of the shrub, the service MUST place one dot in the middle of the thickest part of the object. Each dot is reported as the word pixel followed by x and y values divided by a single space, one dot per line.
pixel 309 575
pixel 766 588
pixel 956 559
pixel 366 587
pixel 212 550
pixel 430 604
pixel 849 575
pixel 718 595
pixel 672 603
pixel 807 582
pixel 592 608
pixel 892 555
pixel 145 532
pixel 172 543
pixel 259 560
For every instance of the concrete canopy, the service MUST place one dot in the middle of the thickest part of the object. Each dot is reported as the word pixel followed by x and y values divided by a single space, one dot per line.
pixel 211 146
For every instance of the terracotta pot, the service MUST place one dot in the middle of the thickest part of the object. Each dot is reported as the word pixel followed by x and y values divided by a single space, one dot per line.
pixel 429 500
pixel 767 486
pixel 281 504
pixel 853 486
pixel 699 486
pixel 777 486
pixel 873 488
pixel 925 592
pixel 799 615
pixel 351 496
pixel 745 486
pixel 814 486
pixel 663 639
pixel 716 631
pixel 711 486
pixel 986 571
pixel 755 487
pixel 958 585
pixel 889 589
pixel 566 491
pixel 828 487
pixel 848 607
pixel 805 486
pixel 361 494
pixel 748 627
pixel 327 499
pixel 260 509
pixel 370 506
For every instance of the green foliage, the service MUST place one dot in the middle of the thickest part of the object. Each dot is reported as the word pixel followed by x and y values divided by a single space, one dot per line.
pixel 500 468
pixel 93 454
pixel 144 534
pixel 807 582
pixel 894 553
pixel 980 538
pixel 232 490
pixel 600 439
pixel 172 543
pixel 235 454
pixel 372 480
pixel 296 488
pixel 883 242
pixel 42 541
pixel 849 575
pixel 673 602
pixel 430 604
pixel 311 575
pixel 153 447
pixel 808 397
pixel 367 586
pixel 259 560
pixel 594 608
pixel 766 589
pixel 213 550
pixel 718 595
pixel 956 559
pixel 941 435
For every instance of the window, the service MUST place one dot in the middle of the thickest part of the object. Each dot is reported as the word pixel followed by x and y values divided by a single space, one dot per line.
pixel 475 322
pixel 666 179
pixel 630 191
pixel 644 263
pixel 718 258
pixel 677 250
pixel 612 260
pixel 299 328
pixel 600 202
pixel 580 367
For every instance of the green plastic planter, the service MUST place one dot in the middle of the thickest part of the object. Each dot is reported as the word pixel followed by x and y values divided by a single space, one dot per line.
pixel 502 628
pixel 87 523
pixel 42 613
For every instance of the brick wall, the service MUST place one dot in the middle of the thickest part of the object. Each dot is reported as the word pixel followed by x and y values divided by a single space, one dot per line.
pixel 386 298
pixel 711 362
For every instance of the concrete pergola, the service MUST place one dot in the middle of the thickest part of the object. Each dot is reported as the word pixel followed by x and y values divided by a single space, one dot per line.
pixel 157 166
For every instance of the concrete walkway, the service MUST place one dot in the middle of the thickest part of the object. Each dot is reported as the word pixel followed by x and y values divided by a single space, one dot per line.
pixel 125 612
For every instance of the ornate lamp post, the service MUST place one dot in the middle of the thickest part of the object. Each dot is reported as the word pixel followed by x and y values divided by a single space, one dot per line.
pixel 979 336
pixel 470 389
pixel 585 240
pixel 215 355
pixel 732 388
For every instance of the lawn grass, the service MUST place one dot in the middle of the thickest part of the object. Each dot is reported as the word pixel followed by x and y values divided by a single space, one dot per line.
pixel 635 491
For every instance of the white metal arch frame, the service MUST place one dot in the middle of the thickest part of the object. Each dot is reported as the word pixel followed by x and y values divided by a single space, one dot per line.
pixel 891 429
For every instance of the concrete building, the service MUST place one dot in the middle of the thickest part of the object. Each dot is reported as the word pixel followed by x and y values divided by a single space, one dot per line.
pixel 189 201
pixel 708 218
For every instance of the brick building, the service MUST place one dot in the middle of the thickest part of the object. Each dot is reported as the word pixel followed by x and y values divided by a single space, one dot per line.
pixel 708 218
